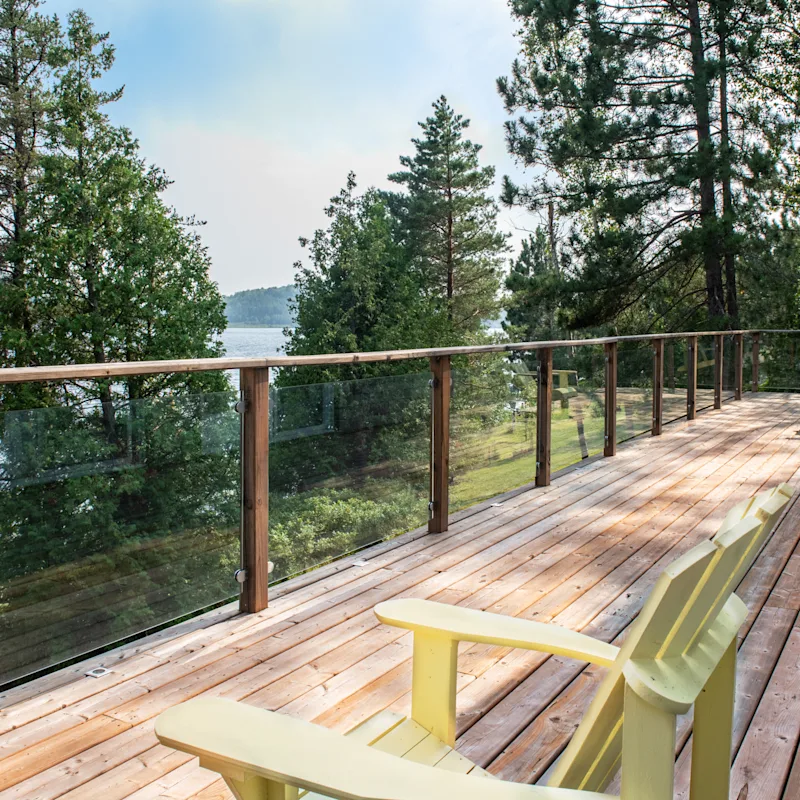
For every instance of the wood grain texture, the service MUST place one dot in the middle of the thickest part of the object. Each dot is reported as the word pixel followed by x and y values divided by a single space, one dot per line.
pixel 255 489
pixel 73 372
pixel 582 552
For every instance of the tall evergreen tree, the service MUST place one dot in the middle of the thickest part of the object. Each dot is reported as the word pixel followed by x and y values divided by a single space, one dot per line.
pixel 120 277
pixel 450 220
pixel 28 52
pixel 652 143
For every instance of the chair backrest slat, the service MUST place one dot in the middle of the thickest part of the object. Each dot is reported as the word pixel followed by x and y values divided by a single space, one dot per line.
pixel 683 605
pixel 715 588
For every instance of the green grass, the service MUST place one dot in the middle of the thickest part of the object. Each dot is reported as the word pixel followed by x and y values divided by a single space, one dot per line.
pixel 496 460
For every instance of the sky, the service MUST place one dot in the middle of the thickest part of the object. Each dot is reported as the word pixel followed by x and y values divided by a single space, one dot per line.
pixel 257 109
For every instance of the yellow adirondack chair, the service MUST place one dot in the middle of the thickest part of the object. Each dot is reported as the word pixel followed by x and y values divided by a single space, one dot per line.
pixel 681 652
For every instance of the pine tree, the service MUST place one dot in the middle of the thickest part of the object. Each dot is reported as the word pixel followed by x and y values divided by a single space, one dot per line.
pixel 120 276
pixel 450 221
pixel 652 143
pixel 27 54
pixel 534 284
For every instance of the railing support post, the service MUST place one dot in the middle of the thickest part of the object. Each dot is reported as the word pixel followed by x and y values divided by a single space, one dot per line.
pixel 718 365
pixel 440 451
pixel 738 364
pixel 658 386
pixel 691 377
pixel 756 343
pixel 254 389
pixel 610 448
pixel 544 410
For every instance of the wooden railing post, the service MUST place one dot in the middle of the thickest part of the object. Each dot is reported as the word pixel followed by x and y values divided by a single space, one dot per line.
pixel 718 365
pixel 544 410
pixel 440 450
pixel 254 386
pixel 691 377
pixel 756 355
pixel 658 386
pixel 738 366
pixel 610 448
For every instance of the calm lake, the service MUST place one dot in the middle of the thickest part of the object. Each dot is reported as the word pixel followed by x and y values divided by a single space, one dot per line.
pixel 253 342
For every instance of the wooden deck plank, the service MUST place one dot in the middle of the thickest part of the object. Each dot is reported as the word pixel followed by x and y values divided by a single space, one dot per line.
pixel 583 551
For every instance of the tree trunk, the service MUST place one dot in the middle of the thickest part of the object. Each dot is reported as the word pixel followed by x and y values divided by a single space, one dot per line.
pixel 705 147
pixel 725 174
pixel 551 234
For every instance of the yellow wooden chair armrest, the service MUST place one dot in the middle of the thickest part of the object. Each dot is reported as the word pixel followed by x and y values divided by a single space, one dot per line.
pixel 469 625
pixel 259 750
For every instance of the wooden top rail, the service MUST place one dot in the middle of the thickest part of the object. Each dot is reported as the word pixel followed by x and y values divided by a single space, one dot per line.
pixel 123 369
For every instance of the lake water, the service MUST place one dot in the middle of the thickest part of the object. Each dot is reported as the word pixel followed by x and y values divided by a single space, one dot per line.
pixel 253 342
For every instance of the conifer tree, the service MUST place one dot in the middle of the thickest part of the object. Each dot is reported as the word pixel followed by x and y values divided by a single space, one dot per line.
pixel 450 220
pixel 27 54
pixel 120 276
pixel 534 284
pixel 644 128
pixel 357 292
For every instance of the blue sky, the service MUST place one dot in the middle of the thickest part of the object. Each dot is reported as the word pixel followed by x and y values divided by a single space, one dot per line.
pixel 257 109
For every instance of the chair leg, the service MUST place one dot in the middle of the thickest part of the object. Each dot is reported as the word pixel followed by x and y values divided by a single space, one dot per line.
pixel 433 685
pixel 257 788
pixel 648 750
pixel 713 732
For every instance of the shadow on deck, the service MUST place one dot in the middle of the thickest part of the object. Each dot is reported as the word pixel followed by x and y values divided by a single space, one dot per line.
pixel 583 552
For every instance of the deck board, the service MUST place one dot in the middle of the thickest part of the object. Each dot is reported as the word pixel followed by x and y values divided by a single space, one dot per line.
pixel 583 552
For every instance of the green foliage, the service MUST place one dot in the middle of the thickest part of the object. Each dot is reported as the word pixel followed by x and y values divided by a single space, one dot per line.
pixel 311 528
pixel 119 501
pixel 106 270
pixel 260 306
pixel 664 149
pixel 535 285
pixel 449 222
pixel 358 292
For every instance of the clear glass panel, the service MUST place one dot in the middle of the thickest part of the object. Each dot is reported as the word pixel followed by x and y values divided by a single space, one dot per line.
pixel 747 364
pixel 578 416
pixel 780 362
pixel 113 524
pixel 705 372
pixel 634 389
pixel 348 465
pixel 492 427
pixel 728 368
pixel 675 378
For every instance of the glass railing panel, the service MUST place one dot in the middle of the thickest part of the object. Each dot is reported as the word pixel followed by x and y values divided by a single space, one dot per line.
pixel 747 363
pixel 728 368
pixel 675 380
pixel 348 466
pixel 492 427
pixel 113 523
pixel 705 373
pixel 779 370
pixel 634 389
pixel 578 415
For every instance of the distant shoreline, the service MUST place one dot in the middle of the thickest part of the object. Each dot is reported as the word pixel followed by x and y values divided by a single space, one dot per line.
pixel 257 325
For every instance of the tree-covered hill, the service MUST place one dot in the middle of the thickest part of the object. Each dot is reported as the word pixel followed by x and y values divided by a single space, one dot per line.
pixel 260 306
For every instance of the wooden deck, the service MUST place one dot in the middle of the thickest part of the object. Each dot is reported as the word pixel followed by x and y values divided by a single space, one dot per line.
pixel 583 552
